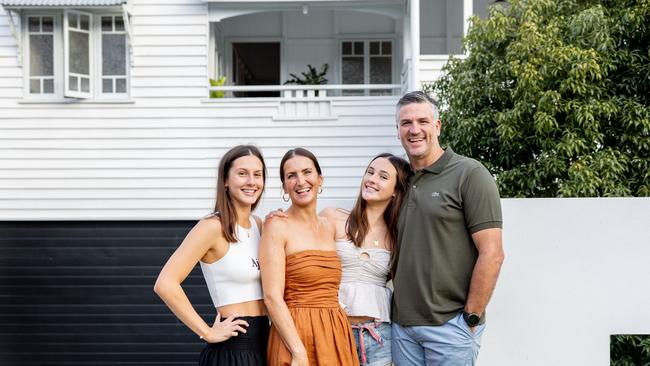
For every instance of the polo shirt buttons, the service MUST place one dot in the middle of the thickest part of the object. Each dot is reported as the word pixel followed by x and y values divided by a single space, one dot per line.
pixel 414 186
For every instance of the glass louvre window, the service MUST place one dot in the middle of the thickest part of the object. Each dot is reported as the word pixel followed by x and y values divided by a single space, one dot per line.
pixel 352 65
pixel 113 40
pixel 78 65
pixel 381 70
pixel 367 62
pixel 40 31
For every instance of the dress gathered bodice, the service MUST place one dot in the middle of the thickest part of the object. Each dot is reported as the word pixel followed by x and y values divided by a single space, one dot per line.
pixel 312 279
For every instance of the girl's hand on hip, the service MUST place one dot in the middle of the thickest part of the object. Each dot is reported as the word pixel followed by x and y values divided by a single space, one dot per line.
pixel 222 330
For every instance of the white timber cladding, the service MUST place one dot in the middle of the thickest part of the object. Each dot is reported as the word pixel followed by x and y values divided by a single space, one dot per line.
pixel 151 161
pixel 154 155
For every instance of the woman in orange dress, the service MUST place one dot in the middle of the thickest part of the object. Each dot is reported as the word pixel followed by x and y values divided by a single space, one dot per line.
pixel 301 274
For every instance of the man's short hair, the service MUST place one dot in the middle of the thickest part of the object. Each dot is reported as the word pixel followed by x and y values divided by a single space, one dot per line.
pixel 419 97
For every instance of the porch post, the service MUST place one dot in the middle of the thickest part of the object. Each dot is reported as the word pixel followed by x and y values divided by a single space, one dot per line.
pixel 468 10
pixel 414 10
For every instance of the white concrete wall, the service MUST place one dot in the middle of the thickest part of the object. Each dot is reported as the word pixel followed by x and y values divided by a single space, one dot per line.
pixel 576 271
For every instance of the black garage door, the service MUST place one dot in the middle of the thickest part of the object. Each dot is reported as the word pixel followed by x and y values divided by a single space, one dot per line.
pixel 81 293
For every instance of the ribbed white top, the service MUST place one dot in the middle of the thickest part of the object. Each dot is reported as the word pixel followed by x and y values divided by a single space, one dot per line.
pixel 235 278
pixel 363 290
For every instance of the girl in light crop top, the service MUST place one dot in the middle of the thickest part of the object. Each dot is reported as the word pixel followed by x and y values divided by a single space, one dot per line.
pixel 226 245
pixel 365 240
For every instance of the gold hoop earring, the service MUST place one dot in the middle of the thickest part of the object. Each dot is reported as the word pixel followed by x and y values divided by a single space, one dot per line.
pixel 320 189
pixel 285 197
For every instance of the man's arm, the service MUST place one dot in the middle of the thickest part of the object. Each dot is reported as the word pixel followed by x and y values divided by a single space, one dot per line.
pixel 486 270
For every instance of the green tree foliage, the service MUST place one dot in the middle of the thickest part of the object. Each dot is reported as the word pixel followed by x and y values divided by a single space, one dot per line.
pixel 554 97
pixel 629 350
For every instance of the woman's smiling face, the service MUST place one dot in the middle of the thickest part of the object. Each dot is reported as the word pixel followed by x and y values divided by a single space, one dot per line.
pixel 245 180
pixel 378 184
pixel 301 180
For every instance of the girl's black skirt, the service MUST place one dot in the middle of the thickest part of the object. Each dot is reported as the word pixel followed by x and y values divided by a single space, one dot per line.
pixel 246 349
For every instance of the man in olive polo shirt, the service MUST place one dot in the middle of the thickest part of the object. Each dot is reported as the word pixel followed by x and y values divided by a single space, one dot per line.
pixel 449 246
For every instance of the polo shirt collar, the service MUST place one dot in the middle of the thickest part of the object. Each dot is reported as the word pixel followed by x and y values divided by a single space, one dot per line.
pixel 441 163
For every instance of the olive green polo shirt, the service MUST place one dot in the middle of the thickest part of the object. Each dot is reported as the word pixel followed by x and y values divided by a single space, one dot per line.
pixel 447 202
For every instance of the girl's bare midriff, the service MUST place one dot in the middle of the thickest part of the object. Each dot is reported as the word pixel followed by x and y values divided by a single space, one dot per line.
pixel 248 308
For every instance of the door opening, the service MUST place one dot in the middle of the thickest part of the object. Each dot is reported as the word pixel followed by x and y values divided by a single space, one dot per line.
pixel 256 63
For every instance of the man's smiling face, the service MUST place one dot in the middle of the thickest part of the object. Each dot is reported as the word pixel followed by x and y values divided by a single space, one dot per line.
pixel 418 131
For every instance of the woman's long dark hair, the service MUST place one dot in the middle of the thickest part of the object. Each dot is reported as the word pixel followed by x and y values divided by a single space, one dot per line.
pixel 224 208
pixel 357 225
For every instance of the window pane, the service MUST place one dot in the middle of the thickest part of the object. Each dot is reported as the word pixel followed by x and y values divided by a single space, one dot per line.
pixel 380 70
pixel 374 48
pixel 34 24
pixel 113 54
pixel 79 56
pixel 352 70
pixel 73 20
pixel 48 24
pixel 347 48
pixel 35 86
pixel 386 48
pixel 119 24
pixel 358 48
pixel 107 24
pixel 48 86
pixel 120 86
pixel 85 85
pixel 107 85
pixel 85 22
pixel 41 55
pixel 72 80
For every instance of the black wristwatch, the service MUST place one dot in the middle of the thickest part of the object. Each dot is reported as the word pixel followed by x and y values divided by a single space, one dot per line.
pixel 472 319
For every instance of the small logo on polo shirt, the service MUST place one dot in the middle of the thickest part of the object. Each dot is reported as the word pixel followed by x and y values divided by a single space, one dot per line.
pixel 256 263
pixel 435 194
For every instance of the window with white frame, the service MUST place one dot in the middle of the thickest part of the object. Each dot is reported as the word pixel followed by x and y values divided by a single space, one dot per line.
pixel 76 54
pixel 366 62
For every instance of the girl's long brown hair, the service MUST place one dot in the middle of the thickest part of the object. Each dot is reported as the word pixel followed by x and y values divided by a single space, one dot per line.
pixel 357 225
pixel 224 208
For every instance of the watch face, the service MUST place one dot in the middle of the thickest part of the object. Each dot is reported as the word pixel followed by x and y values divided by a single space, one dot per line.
pixel 473 320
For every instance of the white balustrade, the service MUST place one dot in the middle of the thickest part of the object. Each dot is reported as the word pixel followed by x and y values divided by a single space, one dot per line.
pixel 304 101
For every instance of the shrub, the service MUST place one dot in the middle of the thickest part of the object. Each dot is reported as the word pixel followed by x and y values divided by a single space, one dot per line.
pixel 554 97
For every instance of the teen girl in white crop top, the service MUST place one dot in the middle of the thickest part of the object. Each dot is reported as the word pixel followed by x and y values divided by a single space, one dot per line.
pixel 365 239
pixel 226 246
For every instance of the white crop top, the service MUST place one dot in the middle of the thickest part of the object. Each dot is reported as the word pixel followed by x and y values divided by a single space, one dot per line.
pixel 363 290
pixel 235 277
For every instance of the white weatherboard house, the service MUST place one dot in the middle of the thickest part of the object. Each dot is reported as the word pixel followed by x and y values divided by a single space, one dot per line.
pixel 105 111
pixel 109 144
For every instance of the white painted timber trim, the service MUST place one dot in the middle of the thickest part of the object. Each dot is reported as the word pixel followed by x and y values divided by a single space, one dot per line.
pixel 414 14
pixel 304 87
pixel 468 10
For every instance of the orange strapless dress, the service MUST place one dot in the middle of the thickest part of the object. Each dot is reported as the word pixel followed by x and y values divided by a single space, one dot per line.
pixel 311 288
